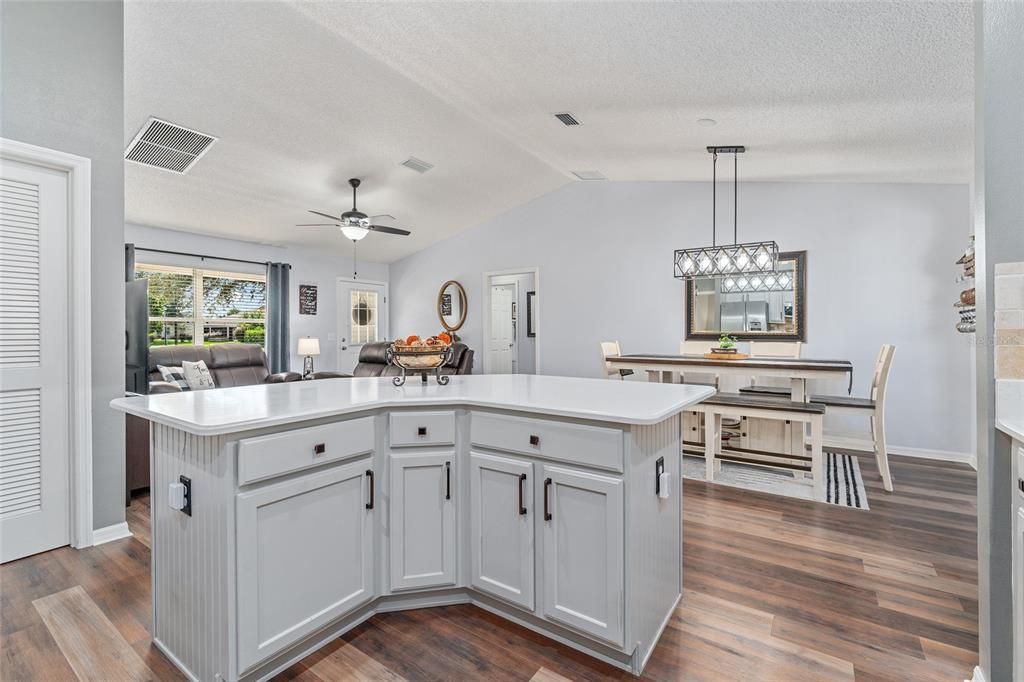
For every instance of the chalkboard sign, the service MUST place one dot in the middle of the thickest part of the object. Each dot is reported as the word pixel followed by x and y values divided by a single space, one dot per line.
pixel 307 299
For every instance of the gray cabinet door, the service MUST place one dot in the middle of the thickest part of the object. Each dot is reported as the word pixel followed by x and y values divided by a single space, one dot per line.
pixel 501 522
pixel 583 554
pixel 423 497
pixel 304 557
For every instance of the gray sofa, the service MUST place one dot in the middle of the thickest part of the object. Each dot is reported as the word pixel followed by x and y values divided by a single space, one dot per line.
pixel 231 364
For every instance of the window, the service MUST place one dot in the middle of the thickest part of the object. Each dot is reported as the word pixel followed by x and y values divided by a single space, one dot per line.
pixel 204 307
pixel 363 307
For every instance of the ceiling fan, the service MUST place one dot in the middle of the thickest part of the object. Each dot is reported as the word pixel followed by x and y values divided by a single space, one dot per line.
pixel 355 224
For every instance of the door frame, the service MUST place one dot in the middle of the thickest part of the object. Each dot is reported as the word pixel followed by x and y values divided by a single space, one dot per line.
pixel 387 302
pixel 485 300
pixel 79 172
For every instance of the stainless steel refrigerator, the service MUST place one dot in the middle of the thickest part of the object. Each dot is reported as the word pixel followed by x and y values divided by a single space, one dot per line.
pixel 744 316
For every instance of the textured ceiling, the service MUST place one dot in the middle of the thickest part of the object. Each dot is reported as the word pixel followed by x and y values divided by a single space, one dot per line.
pixel 304 96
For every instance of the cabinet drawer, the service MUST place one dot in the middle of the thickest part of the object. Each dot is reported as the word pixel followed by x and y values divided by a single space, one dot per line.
pixel 588 445
pixel 279 453
pixel 422 428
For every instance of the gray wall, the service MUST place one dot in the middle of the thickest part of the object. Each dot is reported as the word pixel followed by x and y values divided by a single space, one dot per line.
pixel 308 267
pixel 880 270
pixel 63 88
pixel 999 229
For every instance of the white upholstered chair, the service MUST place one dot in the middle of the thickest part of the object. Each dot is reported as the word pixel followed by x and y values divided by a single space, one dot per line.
pixel 610 349
pixel 697 348
pixel 774 349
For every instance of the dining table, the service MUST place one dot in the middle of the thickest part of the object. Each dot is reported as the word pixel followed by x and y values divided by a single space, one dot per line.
pixel 663 368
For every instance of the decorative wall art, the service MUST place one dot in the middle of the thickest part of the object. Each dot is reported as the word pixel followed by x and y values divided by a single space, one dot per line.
pixel 307 299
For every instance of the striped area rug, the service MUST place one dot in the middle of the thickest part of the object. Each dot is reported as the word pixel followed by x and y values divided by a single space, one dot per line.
pixel 844 484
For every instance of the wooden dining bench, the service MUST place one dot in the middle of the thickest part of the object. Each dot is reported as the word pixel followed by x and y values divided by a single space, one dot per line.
pixel 763 407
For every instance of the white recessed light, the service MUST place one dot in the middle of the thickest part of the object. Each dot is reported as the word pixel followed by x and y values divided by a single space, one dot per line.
pixel 706 122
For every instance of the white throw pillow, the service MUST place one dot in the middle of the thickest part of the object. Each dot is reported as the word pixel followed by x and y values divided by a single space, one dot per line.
pixel 173 375
pixel 198 376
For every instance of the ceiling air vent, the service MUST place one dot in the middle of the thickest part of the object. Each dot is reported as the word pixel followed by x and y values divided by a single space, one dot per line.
pixel 567 118
pixel 168 146
pixel 589 175
pixel 417 165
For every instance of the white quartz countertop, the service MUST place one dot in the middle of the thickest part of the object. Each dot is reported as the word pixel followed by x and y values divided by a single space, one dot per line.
pixel 230 410
pixel 1013 428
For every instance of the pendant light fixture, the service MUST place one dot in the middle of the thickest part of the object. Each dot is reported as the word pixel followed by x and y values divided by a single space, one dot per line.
pixel 732 260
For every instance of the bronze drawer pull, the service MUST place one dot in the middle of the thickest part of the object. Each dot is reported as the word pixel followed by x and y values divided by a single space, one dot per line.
pixel 522 507
pixel 421 431
pixel 547 510
pixel 319 449
pixel 535 441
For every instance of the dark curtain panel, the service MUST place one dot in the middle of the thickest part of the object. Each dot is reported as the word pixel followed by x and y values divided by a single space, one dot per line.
pixel 129 262
pixel 278 350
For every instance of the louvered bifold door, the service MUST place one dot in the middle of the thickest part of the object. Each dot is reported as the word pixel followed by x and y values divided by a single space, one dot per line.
pixel 34 489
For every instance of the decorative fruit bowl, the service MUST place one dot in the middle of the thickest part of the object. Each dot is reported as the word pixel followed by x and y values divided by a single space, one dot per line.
pixel 415 355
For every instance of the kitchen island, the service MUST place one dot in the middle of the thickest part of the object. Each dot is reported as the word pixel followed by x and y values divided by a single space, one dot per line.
pixel 284 515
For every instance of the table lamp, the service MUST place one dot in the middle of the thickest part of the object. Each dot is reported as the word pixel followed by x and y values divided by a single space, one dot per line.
pixel 308 347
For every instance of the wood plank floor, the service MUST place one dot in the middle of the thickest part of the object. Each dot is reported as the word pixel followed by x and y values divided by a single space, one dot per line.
pixel 775 589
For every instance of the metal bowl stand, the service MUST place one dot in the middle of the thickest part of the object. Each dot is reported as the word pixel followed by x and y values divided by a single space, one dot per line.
pixel 442 379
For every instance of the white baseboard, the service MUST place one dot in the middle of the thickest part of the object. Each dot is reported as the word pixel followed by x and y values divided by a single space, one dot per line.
pixel 111 533
pixel 979 676
pixel 857 443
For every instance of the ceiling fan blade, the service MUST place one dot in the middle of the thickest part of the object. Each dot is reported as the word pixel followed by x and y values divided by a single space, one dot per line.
pixel 334 218
pixel 383 215
pixel 389 230
pixel 318 225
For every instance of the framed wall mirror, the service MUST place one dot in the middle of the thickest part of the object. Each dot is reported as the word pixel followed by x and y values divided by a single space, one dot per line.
pixel 451 305
pixel 751 307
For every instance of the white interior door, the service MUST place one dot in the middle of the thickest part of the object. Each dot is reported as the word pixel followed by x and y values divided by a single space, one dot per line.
pixel 362 318
pixel 502 347
pixel 34 479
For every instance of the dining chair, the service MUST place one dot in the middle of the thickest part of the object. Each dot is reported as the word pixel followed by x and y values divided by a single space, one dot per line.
pixel 610 349
pixel 703 378
pixel 872 407
pixel 773 349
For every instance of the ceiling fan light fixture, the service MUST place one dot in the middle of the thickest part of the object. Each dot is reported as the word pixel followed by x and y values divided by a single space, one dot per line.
pixel 354 232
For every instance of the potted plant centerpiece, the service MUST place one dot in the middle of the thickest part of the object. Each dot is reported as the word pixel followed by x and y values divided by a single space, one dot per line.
pixel 725 350
pixel 726 344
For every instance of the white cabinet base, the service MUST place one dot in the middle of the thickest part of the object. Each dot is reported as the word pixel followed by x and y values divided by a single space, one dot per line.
pixel 195 559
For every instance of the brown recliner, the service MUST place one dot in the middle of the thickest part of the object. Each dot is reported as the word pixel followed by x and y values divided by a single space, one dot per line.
pixel 373 362
pixel 231 364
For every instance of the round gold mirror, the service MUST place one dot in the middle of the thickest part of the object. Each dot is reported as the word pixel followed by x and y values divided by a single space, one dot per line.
pixel 451 305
